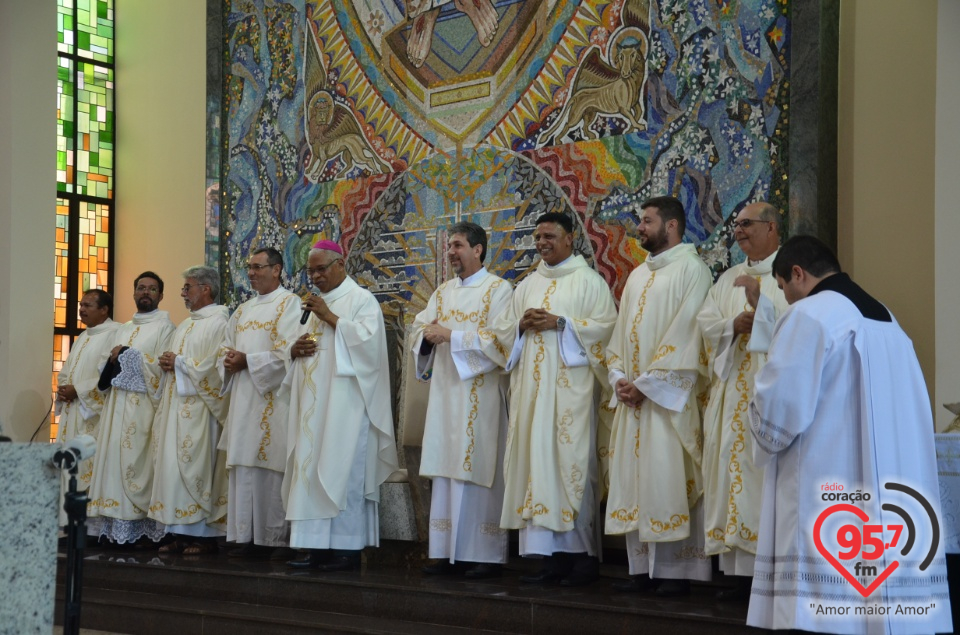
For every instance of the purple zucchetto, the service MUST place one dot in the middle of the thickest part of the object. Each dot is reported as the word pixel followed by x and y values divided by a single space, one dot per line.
pixel 328 245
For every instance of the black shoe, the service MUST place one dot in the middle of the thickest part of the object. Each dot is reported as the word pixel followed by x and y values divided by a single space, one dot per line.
pixel 250 550
pixel 635 584
pixel 579 578
pixel 544 576
pixel 673 588
pixel 483 570
pixel 442 567
pixel 341 563
pixel 283 554
pixel 310 560
pixel 739 593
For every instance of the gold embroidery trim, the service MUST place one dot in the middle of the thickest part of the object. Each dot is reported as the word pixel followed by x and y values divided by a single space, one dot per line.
pixel 635 327
pixel 472 417
pixel 265 426
pixel 676 521
pixel 663 351
pixel 735 525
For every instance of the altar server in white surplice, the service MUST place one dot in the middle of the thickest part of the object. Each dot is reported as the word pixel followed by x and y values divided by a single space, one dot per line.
pixel 79 401
pixel 656 442
pixel 841 420
pixel 253 362
pixel 466 422
pixel 123 465
pixel 190 485
pixel 341 444
pixel 555 330
pixel 736 322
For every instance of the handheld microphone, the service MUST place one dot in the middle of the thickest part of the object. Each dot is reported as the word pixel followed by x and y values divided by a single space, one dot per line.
pixel 307 312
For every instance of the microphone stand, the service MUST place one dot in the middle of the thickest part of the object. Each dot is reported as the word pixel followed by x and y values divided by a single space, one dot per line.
pixel 75 505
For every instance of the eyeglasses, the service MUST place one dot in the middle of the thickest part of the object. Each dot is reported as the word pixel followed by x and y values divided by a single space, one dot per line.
pixel 186 288
pixel 321 268
pixel 747 222
pixel 147 289
pixel 256 267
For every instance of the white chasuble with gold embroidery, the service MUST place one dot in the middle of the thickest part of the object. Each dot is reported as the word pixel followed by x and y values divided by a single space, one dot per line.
pixel 655 449
pixel 190 483
pixel 553 393
pixel 467 387
pixel 82 371
pixel 263 328
pixel 339 399
pixel 733 485
pixel 123 470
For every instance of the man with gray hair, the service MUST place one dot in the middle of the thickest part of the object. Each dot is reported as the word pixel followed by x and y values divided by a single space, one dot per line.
pixel 736 322
pixel 253 362
pixel 341 445
pixel 189 494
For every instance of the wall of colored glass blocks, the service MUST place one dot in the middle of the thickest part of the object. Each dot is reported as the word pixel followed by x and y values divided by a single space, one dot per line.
pixel 93 258
pixel 62 264
pixel 61 348
pixel 94 130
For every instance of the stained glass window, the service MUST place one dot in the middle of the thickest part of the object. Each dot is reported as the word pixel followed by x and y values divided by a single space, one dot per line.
pixel 83 244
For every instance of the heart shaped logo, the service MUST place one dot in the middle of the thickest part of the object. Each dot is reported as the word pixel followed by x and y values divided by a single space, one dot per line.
pixel 862 515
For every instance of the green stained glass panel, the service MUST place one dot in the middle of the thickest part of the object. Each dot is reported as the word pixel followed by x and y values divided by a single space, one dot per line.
pixel 85 152
pixel 95 29
pixel 94 130
pixel 65 125
pixel 65 26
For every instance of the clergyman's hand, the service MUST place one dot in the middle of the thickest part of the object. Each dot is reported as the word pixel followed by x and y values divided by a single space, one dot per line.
pixel 743 323
pixel 305 346
pixel 752 288
pixel 538 320
pixel 629 394
pixel 235 361
pixel 436 334
pixel 167 361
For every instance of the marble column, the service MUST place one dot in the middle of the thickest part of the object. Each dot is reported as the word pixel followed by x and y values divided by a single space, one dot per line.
pixel 28 537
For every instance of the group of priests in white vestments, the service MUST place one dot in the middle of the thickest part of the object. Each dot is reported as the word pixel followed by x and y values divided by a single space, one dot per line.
pixel 705 414
pixel 194 427
pixel 654 403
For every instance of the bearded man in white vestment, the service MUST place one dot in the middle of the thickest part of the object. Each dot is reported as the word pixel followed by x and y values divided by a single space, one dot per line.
pixel 736 322
pixel 79 401
pixel 123 465
pixel 556 330
pixel 466 421
pixel 253 362
pixel 656 442
pixel 190 483
pixel 841 413
pixel 341 444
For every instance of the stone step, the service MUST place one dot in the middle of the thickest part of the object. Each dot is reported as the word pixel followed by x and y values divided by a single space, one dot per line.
pixel 217 589
pixel 154 614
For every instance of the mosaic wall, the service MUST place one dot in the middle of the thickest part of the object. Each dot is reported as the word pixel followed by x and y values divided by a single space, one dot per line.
pixel 378 123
